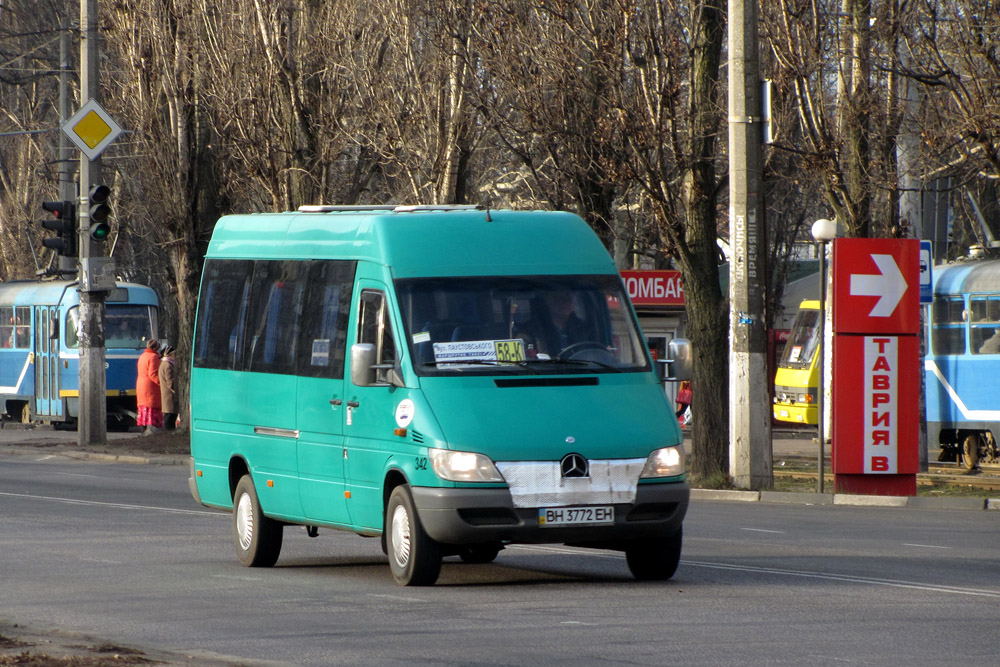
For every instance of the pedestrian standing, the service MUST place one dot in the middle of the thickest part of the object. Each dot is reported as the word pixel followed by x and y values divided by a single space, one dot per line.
pixel 168 388
pixel 147 388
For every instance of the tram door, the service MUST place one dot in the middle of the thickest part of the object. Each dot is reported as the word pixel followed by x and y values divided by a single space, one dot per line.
pixel 47 400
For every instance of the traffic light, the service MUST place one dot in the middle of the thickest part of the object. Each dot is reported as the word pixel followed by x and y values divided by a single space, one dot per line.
pixel 99 212
pixel 64 225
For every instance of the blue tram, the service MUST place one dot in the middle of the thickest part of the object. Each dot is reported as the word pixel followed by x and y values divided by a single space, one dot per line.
pixel 962 362
pixel 40 355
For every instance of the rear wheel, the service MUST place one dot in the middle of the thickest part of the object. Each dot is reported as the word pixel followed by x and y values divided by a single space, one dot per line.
pixel 414 558
pixel 654 560
pixel 970 452
pixel 258 538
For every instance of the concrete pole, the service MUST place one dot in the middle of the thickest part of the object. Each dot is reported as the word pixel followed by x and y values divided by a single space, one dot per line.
pixel 750 457
pixel 92 425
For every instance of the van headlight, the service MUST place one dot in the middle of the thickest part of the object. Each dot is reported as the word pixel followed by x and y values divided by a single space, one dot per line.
pixel 665 462
pixel 463 466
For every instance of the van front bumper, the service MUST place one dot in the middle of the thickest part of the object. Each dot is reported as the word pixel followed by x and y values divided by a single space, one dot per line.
pixel 473 516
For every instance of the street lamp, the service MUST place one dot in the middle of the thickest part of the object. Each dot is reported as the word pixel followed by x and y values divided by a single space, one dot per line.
pixel 823 230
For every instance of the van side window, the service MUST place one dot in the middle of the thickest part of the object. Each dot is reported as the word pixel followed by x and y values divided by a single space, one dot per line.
pixel 273 318
pixel 374 326
pixel 323 326
pixel 222 314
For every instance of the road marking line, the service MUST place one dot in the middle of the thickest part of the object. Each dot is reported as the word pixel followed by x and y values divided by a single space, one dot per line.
pixel 934 588
pixel 761 530
pixel 124 506
pixel 925 546
pixel 395 597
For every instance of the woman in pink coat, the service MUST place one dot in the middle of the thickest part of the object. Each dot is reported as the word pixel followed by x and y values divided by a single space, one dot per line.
pixel 147 388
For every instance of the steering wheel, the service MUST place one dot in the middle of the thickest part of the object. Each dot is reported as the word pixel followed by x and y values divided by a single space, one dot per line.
pixel 570 351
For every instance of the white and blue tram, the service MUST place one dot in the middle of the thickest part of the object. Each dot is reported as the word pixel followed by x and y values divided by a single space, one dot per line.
pixel 962 362
pixel 40 354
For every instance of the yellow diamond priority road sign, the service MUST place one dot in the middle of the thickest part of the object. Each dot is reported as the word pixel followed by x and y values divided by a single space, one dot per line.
pixel 91 129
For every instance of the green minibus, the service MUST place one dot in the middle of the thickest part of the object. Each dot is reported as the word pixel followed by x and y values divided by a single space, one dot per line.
pixel 449 379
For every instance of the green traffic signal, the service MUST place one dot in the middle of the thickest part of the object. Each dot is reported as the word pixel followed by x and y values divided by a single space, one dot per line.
pixel 100 231
pixel 99 212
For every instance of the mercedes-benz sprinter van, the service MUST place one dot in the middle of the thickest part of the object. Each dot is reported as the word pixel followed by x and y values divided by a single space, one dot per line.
pixel 452 380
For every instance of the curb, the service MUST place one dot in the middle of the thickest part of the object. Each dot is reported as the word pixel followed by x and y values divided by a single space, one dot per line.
pixel 107 458
pixel 778 497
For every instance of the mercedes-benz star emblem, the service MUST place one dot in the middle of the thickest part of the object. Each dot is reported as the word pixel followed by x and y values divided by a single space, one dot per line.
pixel 574 465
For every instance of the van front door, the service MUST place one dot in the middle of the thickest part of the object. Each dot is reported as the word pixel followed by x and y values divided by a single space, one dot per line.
pixel 320 404
pixel 370 411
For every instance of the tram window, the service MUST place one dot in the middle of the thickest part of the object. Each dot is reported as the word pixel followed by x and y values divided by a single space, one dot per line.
pixel 948 339
pixel 128 327
pixel 986 339
pixel 985 309
pixel 22 327
pixel 6 326
pixel 949 310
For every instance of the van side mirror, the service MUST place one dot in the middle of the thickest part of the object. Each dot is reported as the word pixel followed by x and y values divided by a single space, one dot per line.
pixel 366 373
pixel 680 363
pixel 362 362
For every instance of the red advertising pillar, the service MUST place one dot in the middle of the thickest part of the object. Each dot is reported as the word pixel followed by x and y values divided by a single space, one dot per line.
pixel 876 354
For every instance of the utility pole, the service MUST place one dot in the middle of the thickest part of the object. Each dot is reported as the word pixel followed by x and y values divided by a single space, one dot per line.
pixel 92 424
pixel 750 458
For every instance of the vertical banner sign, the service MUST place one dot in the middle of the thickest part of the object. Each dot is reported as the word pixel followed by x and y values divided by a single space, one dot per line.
pixel 881 392
pixel 876 357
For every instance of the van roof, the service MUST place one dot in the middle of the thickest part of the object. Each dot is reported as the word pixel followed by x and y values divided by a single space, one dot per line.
pixel 417 241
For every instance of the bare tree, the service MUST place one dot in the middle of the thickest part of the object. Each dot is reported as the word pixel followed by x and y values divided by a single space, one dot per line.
pixel 672 115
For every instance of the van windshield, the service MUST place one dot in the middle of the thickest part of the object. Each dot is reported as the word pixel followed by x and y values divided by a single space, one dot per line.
pixel 519 325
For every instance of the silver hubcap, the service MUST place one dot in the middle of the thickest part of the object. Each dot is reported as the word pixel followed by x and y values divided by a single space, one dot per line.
pixel 401 536
pixel 244 521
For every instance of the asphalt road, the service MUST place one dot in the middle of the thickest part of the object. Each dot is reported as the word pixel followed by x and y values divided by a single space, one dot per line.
pixel 122 551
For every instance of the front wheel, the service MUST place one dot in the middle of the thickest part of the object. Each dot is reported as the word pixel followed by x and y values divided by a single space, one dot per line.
pixel 655 560
pixel 414 558
pixel 258 538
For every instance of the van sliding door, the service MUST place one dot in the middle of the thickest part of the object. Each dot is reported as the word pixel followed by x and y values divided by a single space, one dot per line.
pixel 320 404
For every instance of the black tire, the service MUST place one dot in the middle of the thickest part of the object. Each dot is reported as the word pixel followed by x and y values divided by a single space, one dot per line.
pixel 414 558
pixel 970 452
pixel 480 553
pixel 258 538
pixel 655 560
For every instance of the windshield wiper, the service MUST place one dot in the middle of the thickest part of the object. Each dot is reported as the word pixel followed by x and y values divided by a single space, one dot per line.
pixel 573 362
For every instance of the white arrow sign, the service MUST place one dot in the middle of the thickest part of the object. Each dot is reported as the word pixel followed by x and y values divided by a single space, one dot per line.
pixel 889 285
